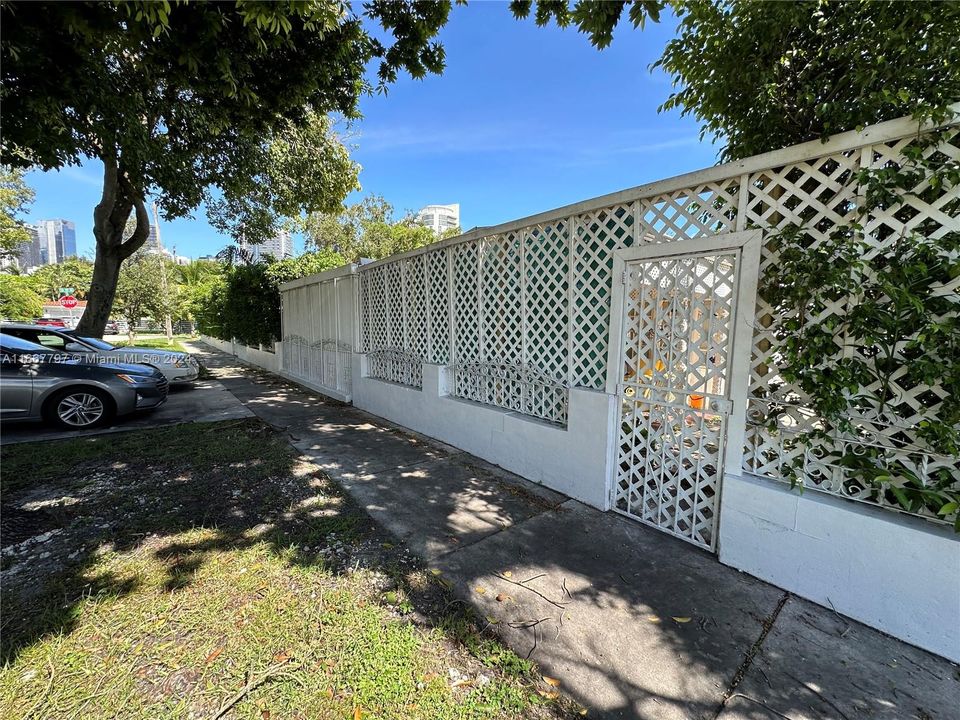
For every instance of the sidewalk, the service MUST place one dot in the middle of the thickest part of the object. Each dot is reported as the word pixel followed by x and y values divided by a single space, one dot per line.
pixel 632 623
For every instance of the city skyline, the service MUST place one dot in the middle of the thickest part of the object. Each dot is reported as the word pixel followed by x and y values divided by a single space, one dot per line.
pixel 51 241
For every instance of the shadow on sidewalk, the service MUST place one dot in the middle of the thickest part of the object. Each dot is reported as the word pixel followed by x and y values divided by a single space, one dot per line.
pixel 633 623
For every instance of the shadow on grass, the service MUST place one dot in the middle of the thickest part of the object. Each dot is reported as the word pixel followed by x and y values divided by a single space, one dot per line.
pixel 79 501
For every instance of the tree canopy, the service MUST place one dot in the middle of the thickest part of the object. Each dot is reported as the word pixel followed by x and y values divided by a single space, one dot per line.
pixel 73 273
pixel 367 229
pixel 18 299
pixel 15 197
pixel 187 102
pixel 140 292
pixel 765 75
pixel 228 103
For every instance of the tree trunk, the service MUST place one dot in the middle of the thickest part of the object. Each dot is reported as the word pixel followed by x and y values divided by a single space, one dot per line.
pixel 103 289
pixel 110 217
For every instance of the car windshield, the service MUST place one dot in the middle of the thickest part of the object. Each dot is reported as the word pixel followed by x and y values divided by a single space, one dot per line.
pixel 98 343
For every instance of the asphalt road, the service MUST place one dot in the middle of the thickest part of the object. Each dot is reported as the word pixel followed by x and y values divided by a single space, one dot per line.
pixel 200 401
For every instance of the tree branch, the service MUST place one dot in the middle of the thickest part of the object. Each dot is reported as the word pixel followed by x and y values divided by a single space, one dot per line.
pixel 142 231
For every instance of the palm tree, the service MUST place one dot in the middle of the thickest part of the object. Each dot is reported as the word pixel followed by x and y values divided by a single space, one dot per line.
pixel 235 255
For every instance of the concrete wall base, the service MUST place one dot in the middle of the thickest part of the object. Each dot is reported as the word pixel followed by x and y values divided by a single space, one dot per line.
pixel 893 572
pixel 255 356
pixel 574 460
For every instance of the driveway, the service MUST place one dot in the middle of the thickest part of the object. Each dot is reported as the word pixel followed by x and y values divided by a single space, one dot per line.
pixel 201 401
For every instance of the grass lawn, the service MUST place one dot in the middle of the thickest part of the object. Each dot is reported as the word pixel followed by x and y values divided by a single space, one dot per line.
pixel 157 343
pixel 207 571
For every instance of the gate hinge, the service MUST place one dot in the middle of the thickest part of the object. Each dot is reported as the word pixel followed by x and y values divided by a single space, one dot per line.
pixel 624 277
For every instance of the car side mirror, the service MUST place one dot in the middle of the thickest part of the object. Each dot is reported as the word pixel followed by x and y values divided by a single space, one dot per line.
pixel 74 347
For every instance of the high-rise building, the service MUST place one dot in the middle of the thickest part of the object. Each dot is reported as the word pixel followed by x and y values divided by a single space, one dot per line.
pixel 57 241
pixel 28 256
pixel 154 246
pixel 440 218
pixel 280 246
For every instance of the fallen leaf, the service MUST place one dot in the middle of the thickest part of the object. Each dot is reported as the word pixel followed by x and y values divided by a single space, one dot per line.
pixel 653 618
pixel 507 573
pixel 462 683
pixel 480 591
pixel 682 619
pixel 434 571
pixel 357 713
pixel 429 677
pixel 282 656
pixel 386 545
pixel 492 620
pixel 214 655
pixel 549 695
pixel 501 597
pixel 265 715
pixel 551 681
pixel 583 712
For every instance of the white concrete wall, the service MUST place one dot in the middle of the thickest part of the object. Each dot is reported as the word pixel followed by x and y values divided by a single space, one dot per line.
pixel 893 572
pixel 221 345
pixel 255 356
pixel 572 460
pixel 261 358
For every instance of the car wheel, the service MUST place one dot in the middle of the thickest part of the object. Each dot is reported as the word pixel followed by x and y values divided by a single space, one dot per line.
pixel 80 408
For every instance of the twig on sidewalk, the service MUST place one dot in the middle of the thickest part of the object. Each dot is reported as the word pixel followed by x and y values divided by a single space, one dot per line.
pixel 517 624
pixel 535 592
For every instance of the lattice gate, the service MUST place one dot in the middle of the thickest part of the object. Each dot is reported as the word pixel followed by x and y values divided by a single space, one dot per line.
pixel 676 339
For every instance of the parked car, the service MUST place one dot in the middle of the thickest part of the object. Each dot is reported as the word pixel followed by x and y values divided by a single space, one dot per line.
pixel 37 383
pixel 111 328
pixel 50 322
pixel 178 367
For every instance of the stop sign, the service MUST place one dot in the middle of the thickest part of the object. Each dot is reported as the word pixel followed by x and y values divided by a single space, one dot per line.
pixel 68 301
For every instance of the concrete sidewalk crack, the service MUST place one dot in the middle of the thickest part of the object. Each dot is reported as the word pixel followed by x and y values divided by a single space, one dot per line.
pixel 741 672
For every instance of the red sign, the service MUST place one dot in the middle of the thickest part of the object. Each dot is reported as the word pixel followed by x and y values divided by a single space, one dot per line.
pixel 68 301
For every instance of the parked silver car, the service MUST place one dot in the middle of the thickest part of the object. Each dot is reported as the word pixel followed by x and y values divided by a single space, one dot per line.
pixel 37 383
pixel 178 367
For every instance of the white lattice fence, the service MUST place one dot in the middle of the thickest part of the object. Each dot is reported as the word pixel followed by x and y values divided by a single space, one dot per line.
pixel 821 194
pixel 522 311
pixel 318 323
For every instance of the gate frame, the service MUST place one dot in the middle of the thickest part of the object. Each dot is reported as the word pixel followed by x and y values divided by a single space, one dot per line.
pixel 748 244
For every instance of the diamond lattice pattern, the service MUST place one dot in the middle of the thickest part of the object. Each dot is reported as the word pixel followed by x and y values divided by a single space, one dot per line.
pixel 677 335
pixel 522 316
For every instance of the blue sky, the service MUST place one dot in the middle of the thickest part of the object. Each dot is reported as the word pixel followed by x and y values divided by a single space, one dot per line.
pixel 523 120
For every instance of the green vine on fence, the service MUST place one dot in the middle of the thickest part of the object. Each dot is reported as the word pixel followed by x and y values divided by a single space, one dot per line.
pixel 868 312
